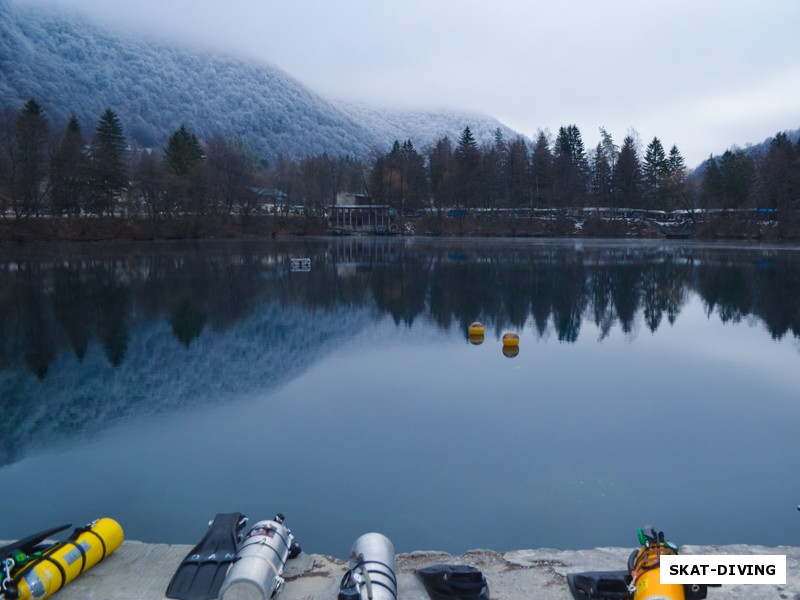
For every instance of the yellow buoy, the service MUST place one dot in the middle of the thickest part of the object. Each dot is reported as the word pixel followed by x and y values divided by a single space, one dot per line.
pixel 510 351
pixel 477 328
pixel 510 339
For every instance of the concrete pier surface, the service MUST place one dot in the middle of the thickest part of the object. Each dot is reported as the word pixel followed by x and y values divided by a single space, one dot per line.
pixel 139 571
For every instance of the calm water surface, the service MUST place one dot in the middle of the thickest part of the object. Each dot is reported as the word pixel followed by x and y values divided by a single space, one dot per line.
pixel 160 384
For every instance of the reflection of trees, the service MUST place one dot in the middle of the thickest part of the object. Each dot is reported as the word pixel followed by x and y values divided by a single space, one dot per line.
pixel 541 295
pixel 25 329
pixel 37 331
pixel 70 307
pixel 110 306
pixel 727 290
pixel 399 288
pixel 49 306
pixel 625 292
pixel 775 299
pixel 763 288
pixel 187 322
pixel 662 293
pixel 569 301
pixel 600 291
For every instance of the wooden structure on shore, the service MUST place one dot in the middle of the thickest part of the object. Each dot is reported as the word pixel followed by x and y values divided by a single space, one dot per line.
pixel 356 214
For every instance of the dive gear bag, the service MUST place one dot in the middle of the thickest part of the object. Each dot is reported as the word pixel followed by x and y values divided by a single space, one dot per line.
pixel 449 582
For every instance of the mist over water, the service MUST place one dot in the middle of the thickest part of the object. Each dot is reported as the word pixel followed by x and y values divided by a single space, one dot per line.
pixel 160 384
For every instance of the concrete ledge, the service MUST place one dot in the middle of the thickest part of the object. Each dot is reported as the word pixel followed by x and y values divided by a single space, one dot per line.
pixel 139 571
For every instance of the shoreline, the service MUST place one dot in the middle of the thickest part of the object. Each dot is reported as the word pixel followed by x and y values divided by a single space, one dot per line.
pixel 132 229
pixel 142 571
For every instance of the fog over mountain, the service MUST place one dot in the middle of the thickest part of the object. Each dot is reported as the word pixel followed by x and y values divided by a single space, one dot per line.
pixel 70 65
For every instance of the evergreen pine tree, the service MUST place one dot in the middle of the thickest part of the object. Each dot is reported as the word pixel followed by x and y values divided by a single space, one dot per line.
pixel 183 151
pixel 467 143
pixel 628 176
pixel 441 173
pixel 467 162
pixel 605 158
pixel 497 182
pixel 542 172
pixel 675 162
pixel 109 172
pixel 31 161
pixel 654 170
pixel 712 193
pixel 675 179
pixel 69 171
pixel 779 171
pixel 518 173
pixel 737 174
pixel 600 178
pixel 571 167
pixel 416 185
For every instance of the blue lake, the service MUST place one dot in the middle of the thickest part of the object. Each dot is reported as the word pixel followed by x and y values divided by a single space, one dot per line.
pixel 159 384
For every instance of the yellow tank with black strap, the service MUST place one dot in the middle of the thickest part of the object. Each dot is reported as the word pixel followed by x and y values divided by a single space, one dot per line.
pixel 61 563
pixel 646 569
pixel 647 576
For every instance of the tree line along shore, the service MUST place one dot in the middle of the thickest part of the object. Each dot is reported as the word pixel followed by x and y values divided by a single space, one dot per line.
pixel 59 184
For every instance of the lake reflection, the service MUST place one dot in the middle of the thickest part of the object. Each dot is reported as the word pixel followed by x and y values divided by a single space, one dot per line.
pixel 162 383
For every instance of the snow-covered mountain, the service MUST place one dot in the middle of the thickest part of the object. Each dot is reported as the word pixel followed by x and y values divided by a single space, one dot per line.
pixel 70 65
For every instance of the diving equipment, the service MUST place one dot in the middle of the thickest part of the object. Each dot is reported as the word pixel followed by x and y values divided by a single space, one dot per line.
pixel 257 573
pixel 370 574
pixel 201 574
pixel 34 569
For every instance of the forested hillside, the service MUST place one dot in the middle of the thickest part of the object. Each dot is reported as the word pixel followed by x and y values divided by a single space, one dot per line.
pixel 115 127
pixel 72 66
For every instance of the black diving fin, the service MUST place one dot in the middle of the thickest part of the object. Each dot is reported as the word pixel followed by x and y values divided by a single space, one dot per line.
pixel 454 582
pixel 28 545
pixel 201 573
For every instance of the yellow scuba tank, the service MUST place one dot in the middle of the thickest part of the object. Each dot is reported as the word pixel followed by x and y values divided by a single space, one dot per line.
pixel 45 574
pixel 645 569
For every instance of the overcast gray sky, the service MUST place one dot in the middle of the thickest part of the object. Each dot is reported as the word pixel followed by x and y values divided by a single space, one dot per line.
pixel 701 74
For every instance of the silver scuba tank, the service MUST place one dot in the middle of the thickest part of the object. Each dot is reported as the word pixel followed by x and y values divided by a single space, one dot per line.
pixel 370 574
pixel 257 572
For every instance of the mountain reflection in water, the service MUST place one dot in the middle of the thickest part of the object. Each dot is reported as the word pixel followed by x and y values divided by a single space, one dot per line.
pixel 96 337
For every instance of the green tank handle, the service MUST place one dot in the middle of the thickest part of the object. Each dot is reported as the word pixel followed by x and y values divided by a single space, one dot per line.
pixel 644 538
